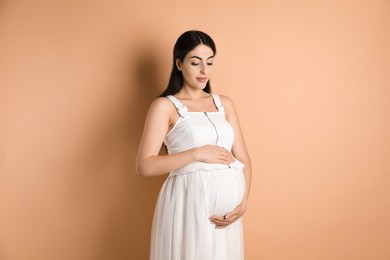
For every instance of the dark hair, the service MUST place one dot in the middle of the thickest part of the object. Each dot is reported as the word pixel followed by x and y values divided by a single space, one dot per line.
pixel 184 44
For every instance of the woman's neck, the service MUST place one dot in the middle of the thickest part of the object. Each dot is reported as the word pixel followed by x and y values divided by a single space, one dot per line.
pixel 191 94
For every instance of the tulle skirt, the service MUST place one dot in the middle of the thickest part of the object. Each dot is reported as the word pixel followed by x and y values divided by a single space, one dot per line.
pixel 181 227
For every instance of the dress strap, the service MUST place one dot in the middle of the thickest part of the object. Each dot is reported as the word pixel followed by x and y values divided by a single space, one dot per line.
pixel 218 103
pixel 181 109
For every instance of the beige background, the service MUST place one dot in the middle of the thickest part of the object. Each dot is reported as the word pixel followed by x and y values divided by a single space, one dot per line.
pixel 311 83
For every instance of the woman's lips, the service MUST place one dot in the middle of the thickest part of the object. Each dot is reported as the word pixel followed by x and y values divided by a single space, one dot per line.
pixel 202 79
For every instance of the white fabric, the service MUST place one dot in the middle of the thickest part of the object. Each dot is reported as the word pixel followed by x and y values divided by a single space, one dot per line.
pixel 181 227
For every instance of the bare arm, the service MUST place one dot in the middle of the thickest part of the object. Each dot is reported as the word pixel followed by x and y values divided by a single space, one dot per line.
pixel 161 116
pixel 239 151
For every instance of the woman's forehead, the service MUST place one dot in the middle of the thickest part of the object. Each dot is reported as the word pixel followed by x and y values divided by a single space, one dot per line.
pixel 202 51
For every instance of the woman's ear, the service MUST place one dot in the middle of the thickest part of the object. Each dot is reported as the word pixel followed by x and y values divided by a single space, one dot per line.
pixel 178 64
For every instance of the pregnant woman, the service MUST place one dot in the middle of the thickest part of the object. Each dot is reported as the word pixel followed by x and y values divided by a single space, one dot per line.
pixel 199 208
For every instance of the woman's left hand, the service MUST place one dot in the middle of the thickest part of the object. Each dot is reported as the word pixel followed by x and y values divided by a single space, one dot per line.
pixel 229 218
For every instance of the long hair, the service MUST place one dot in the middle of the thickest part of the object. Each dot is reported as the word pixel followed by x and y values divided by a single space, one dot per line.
pixel 184 44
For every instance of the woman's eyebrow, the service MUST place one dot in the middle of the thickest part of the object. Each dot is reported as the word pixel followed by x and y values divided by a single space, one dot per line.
pixel 197 57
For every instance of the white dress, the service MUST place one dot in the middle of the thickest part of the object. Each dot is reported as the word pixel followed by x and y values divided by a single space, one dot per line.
pixel 190 195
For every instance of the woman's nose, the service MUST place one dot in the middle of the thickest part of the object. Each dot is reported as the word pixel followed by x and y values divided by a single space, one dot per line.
pixel 203 69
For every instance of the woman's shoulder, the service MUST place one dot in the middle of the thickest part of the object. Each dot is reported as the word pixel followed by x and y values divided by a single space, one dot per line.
pixel 226 101
pixel 162 104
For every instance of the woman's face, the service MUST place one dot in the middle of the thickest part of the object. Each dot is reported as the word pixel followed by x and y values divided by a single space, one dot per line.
pixel 197 67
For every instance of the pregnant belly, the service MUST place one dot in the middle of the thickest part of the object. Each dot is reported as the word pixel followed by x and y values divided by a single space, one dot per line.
pixel 225 190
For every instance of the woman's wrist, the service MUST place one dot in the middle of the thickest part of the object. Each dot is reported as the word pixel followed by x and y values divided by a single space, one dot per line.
pixel 194 154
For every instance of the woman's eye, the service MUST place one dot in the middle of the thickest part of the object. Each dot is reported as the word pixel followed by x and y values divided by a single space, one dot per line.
pixel 194 63
pixel 210 63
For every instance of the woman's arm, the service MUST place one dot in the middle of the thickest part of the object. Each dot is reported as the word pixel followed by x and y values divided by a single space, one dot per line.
pixel 162 114
pixel 239 148
pixel 239 151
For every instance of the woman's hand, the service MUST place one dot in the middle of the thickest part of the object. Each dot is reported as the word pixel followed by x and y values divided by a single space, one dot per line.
pixel 213 154
pixel 224 221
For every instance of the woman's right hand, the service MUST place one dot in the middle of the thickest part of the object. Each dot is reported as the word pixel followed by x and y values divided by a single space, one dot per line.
pixel 213 154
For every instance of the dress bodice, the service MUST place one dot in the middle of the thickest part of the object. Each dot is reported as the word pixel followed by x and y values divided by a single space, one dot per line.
pixel 195 129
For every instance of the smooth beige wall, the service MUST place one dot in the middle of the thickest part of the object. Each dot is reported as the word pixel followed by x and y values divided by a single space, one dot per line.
pixel 311 83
